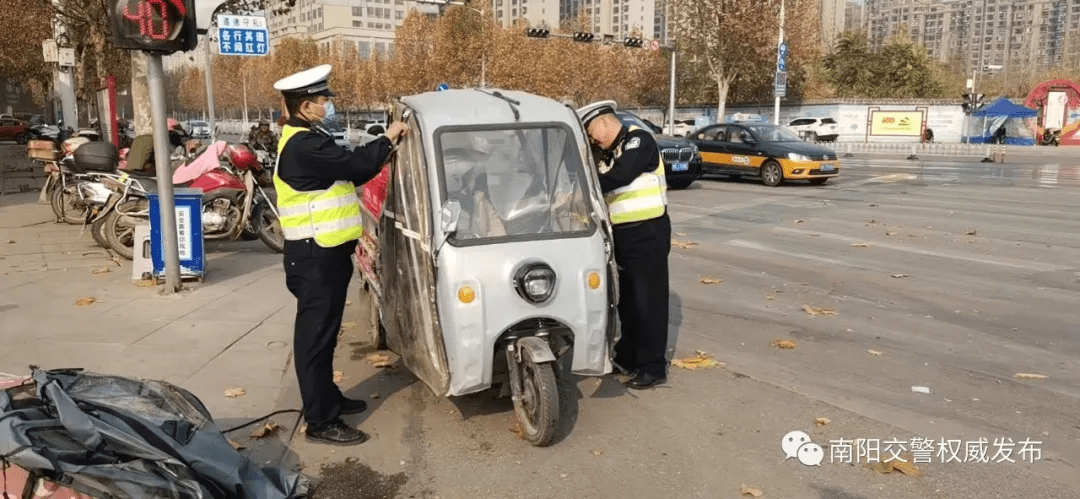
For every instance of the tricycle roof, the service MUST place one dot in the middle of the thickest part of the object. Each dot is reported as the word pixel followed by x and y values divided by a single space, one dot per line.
pixel 474 107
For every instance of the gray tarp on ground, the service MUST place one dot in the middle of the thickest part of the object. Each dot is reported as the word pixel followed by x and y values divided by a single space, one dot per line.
pixel 116 437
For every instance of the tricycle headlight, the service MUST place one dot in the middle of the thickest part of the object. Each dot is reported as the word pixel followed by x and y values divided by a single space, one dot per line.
pixel 535 282
pixel 797 157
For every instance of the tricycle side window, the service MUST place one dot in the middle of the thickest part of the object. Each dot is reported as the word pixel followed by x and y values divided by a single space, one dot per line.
pixel 520 182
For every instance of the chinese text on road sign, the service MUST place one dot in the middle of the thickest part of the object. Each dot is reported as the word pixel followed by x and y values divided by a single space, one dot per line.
pixel 242 35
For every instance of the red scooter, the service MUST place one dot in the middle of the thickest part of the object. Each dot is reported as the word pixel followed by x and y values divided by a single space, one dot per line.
pixel 234 203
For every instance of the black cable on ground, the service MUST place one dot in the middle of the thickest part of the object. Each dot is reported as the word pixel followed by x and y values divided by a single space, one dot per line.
pixel 253 421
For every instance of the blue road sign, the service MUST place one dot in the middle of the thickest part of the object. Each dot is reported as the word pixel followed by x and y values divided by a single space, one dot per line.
pixel 783 50
pixel 442 87
pixel 243 35
pixel 781 66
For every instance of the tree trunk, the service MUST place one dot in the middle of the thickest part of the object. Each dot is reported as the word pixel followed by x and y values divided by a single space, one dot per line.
pixel 723 84
pixel 140 93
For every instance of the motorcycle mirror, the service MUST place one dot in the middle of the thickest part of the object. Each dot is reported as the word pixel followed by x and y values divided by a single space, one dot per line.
pixel 451 213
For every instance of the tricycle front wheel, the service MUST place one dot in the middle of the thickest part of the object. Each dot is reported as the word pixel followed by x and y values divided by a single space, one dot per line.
pixel 536 399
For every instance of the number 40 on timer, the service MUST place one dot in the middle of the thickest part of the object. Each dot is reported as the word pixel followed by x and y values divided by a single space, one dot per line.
pixel 162 26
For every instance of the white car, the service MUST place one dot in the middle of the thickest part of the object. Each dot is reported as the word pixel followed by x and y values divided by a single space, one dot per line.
pixel 683 127
pixel 198 129
pixel 816 129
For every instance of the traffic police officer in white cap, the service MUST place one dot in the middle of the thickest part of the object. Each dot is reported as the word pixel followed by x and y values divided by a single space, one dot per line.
pixel 632 178
pixel 316 183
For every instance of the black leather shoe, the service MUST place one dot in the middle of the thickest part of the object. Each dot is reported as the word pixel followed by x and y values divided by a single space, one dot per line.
pixel 644 381
pixel 352 406
pixel 336 432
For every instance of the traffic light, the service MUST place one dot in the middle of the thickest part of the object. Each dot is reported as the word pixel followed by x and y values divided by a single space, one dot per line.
pixel 633 42
pixel 162 26
pixel 972 102
pixel 537 33
pixel 584 37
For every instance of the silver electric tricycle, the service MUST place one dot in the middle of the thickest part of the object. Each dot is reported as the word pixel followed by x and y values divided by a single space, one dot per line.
pixel 487 250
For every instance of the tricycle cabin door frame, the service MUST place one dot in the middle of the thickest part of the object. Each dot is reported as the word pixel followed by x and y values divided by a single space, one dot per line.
pixel 412 324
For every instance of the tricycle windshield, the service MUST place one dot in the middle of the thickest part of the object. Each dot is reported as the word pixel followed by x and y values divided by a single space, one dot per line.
pixel 522 183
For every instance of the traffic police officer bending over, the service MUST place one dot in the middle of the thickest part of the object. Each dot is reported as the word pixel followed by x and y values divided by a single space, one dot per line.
pixel 316 183
pixel 632 178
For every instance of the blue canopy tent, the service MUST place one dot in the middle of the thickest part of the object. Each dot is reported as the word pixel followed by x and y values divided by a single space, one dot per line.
pixel 1001 120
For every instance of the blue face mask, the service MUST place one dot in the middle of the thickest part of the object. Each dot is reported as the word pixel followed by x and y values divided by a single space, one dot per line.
pixel 330 110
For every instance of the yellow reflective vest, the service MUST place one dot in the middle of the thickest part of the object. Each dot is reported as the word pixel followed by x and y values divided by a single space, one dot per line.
pixel 330 216
pixel 643 199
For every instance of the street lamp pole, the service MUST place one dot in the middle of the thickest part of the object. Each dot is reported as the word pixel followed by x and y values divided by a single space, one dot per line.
pixel 780 41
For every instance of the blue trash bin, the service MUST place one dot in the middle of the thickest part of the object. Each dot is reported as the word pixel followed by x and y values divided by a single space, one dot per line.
pixel 189 235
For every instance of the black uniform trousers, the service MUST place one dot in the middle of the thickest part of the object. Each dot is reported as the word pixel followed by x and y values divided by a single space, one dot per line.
pixel 319 279
pixel 641 251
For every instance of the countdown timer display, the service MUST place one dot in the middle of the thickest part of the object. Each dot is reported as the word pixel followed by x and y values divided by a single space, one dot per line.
pixel 153 25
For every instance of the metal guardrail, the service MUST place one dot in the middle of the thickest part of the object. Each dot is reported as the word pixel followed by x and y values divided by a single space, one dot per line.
pixel 914 150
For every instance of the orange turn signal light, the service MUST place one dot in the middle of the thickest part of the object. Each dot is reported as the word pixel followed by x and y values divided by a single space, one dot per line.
pixel 594 280
pixel 465 294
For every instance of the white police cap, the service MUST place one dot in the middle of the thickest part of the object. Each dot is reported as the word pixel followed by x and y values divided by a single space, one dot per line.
pixel 591 111
pixel 309 82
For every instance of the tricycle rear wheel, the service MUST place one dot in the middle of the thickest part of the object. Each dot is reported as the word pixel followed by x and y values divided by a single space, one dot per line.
pixel 536 401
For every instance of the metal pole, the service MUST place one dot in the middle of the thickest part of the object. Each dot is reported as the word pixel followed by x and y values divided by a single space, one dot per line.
pixel 155 79
pixel 776 103
pixel 210 88
pixel 671 95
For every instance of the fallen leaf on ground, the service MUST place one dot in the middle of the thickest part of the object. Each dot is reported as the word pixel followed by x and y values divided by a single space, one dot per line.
pixel 597 452
pixel 517 430
pixel 769 297
pixel 681 234
pixel 338 376
pixel 379 360
pixel 822 421
pixel 700 360
pixel 347 325
pixel 11 241
pixel 873 352
pixel 102 270
pixel 146 283
pixel 84 301
pixel 818 311
pixel 348 302
pixel 899 276
pixel 747 490
pixel 798 221
pixel 908 468
pixel 860 245
pixel 115 260
pixel 234 392
pixel 236 445
pixel 890 233
pixel 970 232
pixel 265 430
pixel 683 244
pixel 1031 376
pixel 375 395
pixel 710 280
pixel 784 344
pixel 303 429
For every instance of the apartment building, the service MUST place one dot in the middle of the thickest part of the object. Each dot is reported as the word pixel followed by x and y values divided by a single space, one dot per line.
pixel 833 14
pixel 369 25
pixel 620 18
pixel 853 16
pixel 1004 35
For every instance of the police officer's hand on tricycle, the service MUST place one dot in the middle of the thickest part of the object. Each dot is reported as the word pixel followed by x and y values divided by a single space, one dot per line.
pixel 397 129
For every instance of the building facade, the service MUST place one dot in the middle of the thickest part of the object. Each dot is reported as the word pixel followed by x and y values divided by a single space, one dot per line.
pixel 369 25
pixel 994 35
pixel 833 15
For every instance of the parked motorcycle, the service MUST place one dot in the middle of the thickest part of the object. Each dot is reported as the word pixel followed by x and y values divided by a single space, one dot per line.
pixel 233 200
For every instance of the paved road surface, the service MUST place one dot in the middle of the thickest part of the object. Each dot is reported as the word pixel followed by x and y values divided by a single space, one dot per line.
pixel 987 256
